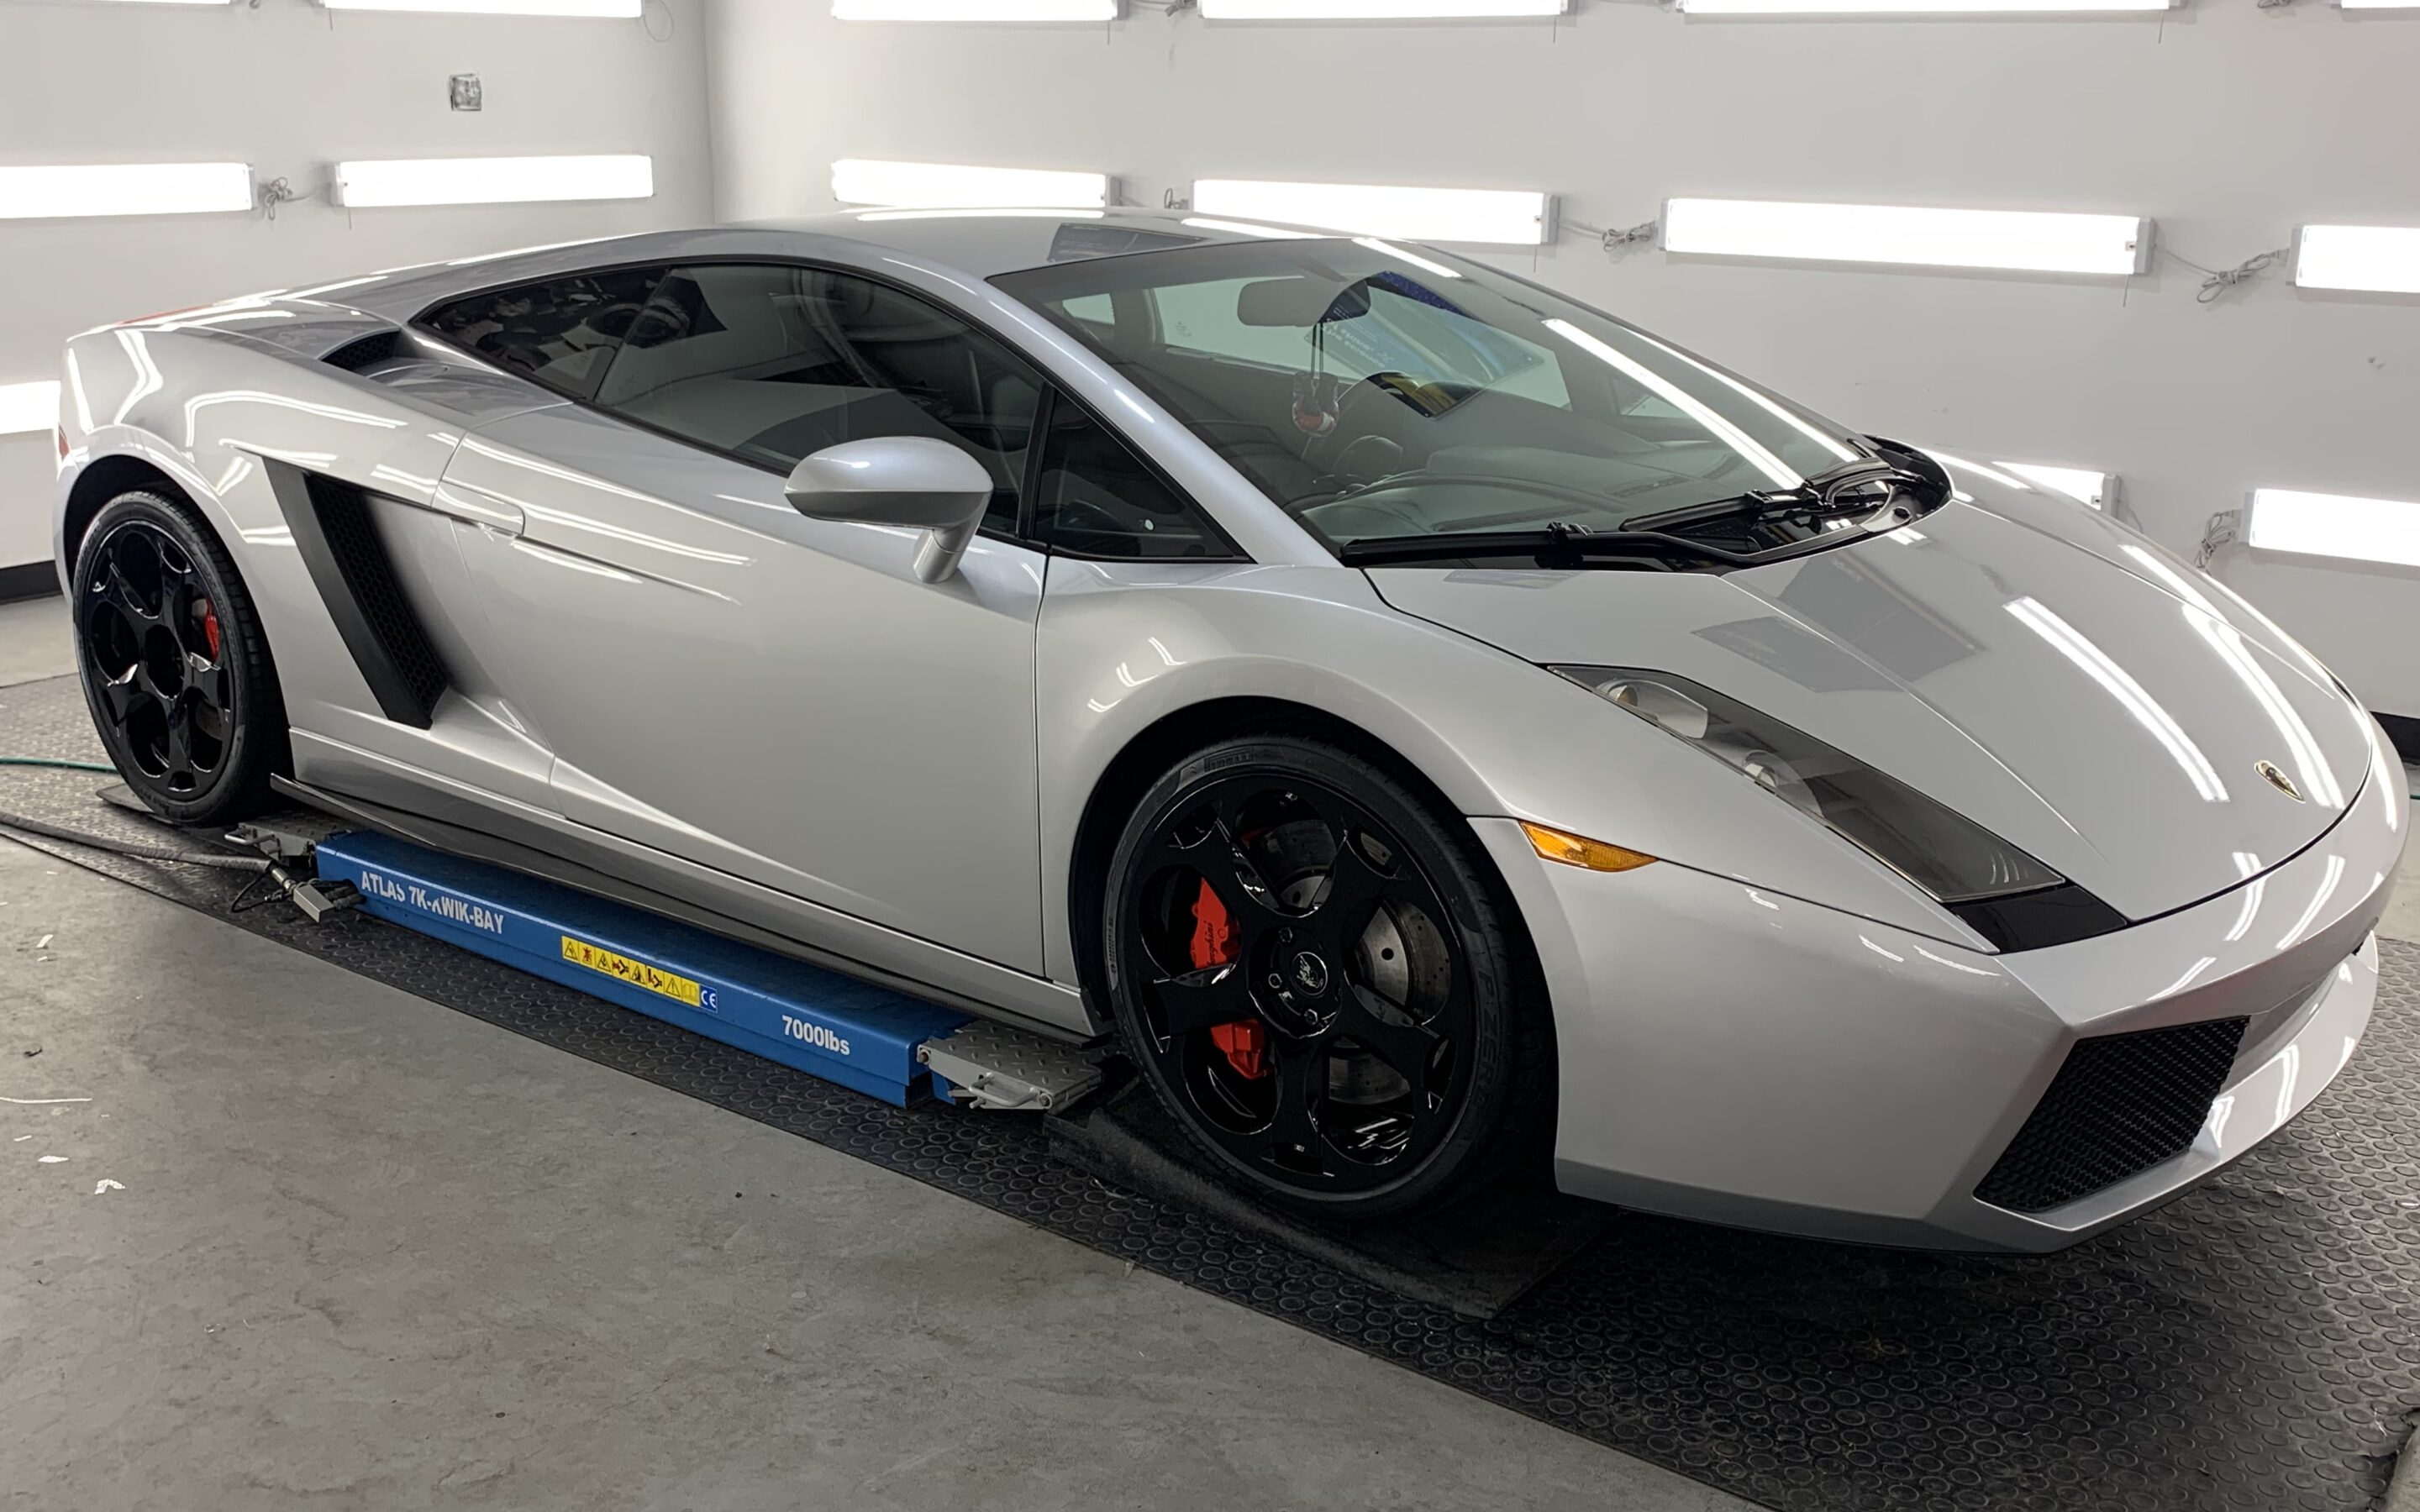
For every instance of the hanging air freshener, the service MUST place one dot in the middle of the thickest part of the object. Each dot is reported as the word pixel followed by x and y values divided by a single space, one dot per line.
pixel 1314 403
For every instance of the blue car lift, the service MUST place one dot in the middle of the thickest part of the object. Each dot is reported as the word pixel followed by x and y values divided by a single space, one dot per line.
pixel 868 1037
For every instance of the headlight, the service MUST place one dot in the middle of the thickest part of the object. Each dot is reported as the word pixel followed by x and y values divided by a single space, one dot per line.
pixel 1945 853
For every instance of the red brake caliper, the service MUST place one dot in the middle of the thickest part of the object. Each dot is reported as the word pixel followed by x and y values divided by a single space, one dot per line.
pixel 1243 1041
pixel 211 626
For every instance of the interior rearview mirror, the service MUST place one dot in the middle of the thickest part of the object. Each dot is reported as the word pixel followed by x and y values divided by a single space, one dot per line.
pixel 913 481
pixel 1298 300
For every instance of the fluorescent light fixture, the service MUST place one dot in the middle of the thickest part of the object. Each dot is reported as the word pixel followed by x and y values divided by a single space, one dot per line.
pixel 951 186
pixel 975 9
pixel 491 180
pixel 2381 258
pixel 221 4
pixel 623 9
pixel 2095 491
pixel 2334 525
pixel 1519 217
pixel 1246 228
pixel 2377 4
pixel 124 189
pixel 25 407
pixel 1909 8
pixel 1375 9
pixel 992 213
pixel 2043 241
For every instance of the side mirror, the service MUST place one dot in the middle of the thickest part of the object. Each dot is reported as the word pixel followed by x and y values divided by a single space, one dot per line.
pixel 913 481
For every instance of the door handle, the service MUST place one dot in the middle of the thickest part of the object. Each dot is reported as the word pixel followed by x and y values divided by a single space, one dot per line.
pixel 476 507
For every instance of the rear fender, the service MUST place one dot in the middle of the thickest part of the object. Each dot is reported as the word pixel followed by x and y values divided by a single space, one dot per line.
pixel 213 412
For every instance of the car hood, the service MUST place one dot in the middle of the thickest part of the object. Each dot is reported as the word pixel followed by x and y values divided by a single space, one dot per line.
pixel 2072 689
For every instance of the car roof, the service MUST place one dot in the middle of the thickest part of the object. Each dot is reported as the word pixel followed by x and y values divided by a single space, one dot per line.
pixel 977 242
pixel 986 243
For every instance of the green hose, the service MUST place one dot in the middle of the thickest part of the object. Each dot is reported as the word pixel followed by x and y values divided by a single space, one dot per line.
pixel 54 760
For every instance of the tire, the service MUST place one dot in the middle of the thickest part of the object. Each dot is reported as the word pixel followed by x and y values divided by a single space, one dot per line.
pixel 1314 970
pixel 175 667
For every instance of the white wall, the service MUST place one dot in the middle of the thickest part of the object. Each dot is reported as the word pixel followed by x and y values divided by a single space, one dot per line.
pixel 2226 123
pixel 290 89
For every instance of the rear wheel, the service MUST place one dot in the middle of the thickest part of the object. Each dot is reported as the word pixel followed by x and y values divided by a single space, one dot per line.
pixel 174 664
pixel 1311 969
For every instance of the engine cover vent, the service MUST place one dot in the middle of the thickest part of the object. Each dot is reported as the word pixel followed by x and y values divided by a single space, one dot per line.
pixel 366 351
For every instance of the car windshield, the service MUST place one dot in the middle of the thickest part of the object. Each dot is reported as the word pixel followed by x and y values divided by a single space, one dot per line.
pixel 1380 393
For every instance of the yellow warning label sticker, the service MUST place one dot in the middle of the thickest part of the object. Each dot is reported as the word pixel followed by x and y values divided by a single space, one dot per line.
pixel 637 972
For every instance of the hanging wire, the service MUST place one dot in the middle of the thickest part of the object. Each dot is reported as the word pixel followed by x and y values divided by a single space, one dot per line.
pixel 272 192
pixel 2215 282
pixel 1618 240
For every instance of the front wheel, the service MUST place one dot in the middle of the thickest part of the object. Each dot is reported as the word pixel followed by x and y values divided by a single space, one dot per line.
pixel 174 664
pixel 1309 967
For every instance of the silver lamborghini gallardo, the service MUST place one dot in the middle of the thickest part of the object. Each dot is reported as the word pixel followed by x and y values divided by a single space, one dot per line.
pixel 1435 727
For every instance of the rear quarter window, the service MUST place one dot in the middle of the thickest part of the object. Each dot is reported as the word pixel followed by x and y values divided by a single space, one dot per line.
pixel 560 332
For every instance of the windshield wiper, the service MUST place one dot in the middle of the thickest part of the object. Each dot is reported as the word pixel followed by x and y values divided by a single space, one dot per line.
pixel 1553 545
pixel 1823 495
pixel 1562 544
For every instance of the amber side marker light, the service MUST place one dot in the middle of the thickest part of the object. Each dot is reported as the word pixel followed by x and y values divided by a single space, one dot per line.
pixel 1580 851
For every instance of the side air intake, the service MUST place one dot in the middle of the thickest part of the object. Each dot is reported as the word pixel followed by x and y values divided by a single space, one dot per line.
pixel 335 529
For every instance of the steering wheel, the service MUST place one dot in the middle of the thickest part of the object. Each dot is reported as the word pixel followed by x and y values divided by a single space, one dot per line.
pixel 1343 459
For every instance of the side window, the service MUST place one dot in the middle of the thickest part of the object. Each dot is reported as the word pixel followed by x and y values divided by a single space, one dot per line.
pixel 1099 311
pixel 769 363
pixel 1098 499
pixel 560 332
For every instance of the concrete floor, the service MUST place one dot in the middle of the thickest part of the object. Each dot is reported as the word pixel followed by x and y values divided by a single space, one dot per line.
pixel 34 641
pixel 366 1252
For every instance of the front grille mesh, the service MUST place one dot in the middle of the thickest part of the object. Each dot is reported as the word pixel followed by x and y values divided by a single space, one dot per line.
pixel 2122 1104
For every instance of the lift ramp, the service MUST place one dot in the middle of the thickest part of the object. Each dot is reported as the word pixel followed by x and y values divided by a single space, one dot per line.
pixel 868 1037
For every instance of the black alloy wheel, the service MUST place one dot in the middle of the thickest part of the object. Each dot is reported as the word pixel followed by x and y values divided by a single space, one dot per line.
pixel 174 665
pixel 1309 968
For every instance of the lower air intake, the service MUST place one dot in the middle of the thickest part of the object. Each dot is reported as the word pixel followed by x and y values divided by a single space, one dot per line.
pixel 2121 1105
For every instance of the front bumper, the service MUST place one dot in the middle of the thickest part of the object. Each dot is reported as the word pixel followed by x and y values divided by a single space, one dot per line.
pixel 1734 1055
